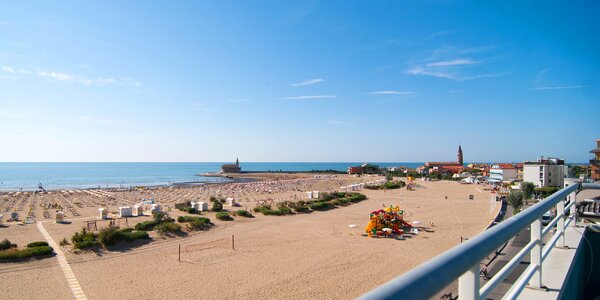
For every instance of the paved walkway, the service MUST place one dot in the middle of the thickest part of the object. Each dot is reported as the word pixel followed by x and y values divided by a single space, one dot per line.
pixel 64 264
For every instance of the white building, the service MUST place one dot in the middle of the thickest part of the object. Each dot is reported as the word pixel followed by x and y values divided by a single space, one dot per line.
pixel 503 172
pixel 544 172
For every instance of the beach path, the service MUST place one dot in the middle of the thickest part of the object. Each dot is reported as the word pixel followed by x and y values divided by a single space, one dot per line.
pixel 64 264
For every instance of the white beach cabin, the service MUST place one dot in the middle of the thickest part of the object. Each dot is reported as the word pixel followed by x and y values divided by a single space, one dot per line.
pixel 230 201
pixel 137 210
pixel 309 195
pixel 60 217
pixel 103 213
pixel 315 194
pixel 202 206
pixel 125 211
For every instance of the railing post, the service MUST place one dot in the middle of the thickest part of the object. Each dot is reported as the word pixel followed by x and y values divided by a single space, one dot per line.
pixel 468 284
pixel 560 212
pixel 536 253
pixel 573 210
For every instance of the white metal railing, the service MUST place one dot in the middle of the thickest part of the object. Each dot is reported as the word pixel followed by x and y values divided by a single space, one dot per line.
pixel 463 261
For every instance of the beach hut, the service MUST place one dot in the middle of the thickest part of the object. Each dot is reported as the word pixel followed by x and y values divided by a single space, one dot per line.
pixel 103 213
pixel 230 201
pixel 155 208
pixel 124 211
pixel 137 210
pixel 309 195
pixel 1 219
pixel 202 206
pixel 316 194
pixel 60 217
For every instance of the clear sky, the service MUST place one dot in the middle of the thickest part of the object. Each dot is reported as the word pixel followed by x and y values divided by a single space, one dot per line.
pixel 298 80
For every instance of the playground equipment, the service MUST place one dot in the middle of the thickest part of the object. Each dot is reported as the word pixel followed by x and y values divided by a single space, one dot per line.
pixel 41 189
pixel 387 221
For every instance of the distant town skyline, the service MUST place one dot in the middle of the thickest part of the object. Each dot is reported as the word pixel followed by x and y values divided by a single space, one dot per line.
pixel 302 81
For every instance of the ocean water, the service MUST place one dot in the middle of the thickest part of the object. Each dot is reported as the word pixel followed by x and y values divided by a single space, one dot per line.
pixel 27 176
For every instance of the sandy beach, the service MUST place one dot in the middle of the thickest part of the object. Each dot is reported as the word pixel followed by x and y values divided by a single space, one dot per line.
pixel 313 255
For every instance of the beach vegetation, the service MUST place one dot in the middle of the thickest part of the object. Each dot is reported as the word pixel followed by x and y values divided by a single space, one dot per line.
pixel 217 204
pixel 301 209
pixel 515 199
pixel 321 205
pixel 223 216
pixel 389 185
pixel 108 235
pixel 6 244
pixel 37 244
pixel 167 228
pixel 185 219
pixel 84 239
pixel 244 213
pixel 389 177
pixel 199 224
pixel 29 252
pixel 64 242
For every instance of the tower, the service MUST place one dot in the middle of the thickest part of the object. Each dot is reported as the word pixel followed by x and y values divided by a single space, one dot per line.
pixel 459 156
pixel 237 162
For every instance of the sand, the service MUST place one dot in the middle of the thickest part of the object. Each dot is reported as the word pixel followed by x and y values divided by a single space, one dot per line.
pixel 315 255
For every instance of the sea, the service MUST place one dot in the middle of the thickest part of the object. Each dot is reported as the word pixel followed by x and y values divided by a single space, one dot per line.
pixel 56 176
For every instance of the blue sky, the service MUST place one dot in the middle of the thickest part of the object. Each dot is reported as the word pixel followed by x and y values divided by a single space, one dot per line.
pixel 298 80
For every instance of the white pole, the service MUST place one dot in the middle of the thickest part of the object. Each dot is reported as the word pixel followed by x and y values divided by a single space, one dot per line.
pixel 573 210
pixel 560 212
pixel 468 284
pixel 536 253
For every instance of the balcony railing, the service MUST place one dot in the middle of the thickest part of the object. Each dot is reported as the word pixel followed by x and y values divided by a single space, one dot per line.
pixel 462 261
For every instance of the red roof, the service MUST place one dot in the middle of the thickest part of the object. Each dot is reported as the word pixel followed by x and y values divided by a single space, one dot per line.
pixel 505 166
pixel 438 163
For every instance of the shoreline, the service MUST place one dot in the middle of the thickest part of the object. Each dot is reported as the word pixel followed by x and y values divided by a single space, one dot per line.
pixel 128 187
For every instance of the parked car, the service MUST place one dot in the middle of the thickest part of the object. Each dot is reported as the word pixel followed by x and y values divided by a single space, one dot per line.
pixel 546 218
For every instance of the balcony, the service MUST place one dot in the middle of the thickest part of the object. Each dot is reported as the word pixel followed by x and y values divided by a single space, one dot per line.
pixel 463 261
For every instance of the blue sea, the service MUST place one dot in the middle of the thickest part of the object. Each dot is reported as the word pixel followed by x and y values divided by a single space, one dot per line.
pixel 27 176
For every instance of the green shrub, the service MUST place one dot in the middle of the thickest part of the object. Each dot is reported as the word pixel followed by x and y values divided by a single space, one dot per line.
pixel 109 235
pixel 270 212
pixel 183 219
pixel 285 210
pixel 5 244
pixel 199 224
pixel 301 209
pixel 261 209
pixel 223 216
pixel 146 225
pixel 37 244
pixel 83 238
pixel 26 253
pixel 336 202
pixel 216 206
pixel 244 213
pixel 319 206
pixel 126 229
pixel 168 228
pixel 130 236
pixel 86 244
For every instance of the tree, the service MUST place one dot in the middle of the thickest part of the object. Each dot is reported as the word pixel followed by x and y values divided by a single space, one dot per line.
pixel 389 177
pixel 515 199
pixel 527 188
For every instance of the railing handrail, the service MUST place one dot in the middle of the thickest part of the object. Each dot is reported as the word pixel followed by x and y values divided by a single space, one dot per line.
pixel 429 278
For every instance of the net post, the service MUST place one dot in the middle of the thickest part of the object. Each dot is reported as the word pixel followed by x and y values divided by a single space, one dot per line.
pixel 232 242
pixel 179 257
